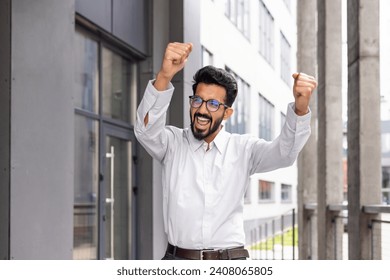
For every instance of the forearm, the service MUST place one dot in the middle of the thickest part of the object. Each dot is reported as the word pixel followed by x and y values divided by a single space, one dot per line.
pixel 284 150
pixel 162 81
pixel 153 106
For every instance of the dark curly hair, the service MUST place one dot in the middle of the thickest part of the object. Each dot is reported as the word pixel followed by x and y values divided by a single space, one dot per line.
pixel 217 76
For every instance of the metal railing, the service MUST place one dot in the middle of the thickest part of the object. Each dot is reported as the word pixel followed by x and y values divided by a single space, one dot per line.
pixel 379 229
pixel 275 239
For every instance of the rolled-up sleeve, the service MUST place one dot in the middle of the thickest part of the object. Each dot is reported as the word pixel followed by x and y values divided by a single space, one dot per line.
pixel 153 136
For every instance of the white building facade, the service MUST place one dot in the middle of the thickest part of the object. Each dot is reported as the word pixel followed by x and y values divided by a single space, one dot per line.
pixel 256 41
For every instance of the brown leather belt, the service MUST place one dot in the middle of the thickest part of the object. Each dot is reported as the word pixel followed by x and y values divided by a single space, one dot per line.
pixel 222 254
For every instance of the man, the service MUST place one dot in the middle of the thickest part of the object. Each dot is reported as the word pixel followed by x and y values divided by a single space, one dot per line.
pixel 206 169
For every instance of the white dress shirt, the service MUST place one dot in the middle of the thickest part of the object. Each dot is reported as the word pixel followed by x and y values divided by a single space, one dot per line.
pixel 204 189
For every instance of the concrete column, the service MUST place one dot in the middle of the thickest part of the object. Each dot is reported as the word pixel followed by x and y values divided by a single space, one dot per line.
pixel 184 27
pixel 179 21
pixel 307 160
pixel 330 180
pixel 364 145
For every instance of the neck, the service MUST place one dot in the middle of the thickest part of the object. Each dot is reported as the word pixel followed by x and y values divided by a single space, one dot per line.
pixel 211 137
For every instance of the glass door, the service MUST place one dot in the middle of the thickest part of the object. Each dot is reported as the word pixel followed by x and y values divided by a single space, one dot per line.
pixel 105 109
pixel 117 201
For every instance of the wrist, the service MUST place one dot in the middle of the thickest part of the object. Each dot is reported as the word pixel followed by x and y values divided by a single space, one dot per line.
pixel 162 81
pixel 301 112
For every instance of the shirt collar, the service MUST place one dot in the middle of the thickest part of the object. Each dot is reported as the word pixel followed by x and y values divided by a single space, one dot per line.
pixel 220 141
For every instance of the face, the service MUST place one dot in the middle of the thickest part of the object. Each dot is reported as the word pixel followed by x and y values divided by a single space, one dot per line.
pixel 205 125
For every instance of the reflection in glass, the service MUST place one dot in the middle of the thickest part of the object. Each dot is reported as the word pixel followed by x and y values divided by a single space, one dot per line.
pixel 86 79
pixel 85 188
pixel 386 185
pixel 118 213
pixel 119 87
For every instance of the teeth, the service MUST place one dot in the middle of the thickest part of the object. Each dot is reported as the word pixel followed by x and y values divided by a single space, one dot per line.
pixel 202 121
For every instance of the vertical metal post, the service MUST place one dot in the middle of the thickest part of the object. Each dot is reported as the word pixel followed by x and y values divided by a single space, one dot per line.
pixel 310 237
pixel 266 240
pixel 251 244
pixel 293 233
pixel 254 247
pixel 371 228
pixel 334 225
pixel 260 238
pixel 282 232
pixel 273 238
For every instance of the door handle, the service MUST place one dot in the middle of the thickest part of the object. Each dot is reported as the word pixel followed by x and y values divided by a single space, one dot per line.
pixel 111 156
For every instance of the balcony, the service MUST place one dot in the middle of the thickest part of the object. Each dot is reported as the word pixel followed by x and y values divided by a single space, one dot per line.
pixel 277 238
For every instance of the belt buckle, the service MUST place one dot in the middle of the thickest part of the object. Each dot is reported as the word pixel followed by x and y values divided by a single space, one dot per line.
pixel 203 251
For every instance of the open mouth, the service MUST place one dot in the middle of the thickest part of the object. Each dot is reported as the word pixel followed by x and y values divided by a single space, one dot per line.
pixel 202 121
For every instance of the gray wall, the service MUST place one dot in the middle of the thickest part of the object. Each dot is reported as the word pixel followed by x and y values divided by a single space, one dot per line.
pixel 125 19
pixel 37 125
pixel 161 13
pixel 42 129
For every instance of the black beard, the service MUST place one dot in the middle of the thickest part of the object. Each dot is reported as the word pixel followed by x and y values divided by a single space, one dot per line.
pixel 200 135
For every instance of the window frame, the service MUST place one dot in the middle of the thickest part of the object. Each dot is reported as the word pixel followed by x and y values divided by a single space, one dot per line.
pixel 243 97
pixel 271 198
pixel 266 34
pixel 266 118
pixel 238 12
pixel 104 42
pixel 285 59
pixel 120 127
pixel 289 193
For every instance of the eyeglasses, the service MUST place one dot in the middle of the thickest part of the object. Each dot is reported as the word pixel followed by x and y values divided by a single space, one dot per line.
pixel 212 105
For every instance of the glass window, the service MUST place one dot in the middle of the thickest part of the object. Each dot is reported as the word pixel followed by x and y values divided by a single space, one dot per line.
pixel 285 60
pixel 266 31
pixel 238 13
pixel 87 78
pixel 238 122
pixel 85 188
pixel 286 193
pixel 99 105
pixel 267 119
pixel 386 185
pixel 386 197
pixel 266 191
pixel 118 86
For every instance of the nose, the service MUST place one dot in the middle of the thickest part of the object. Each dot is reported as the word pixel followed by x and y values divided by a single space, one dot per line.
pixel 203 109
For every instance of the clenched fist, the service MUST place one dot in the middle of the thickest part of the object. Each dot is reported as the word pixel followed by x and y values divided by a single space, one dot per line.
pixel 175 57
pixel 304 85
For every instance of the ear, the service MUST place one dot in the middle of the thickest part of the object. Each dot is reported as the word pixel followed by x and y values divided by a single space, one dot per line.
pixel 228 113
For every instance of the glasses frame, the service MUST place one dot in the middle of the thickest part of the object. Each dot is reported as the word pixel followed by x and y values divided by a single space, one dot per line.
pixel 192 97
